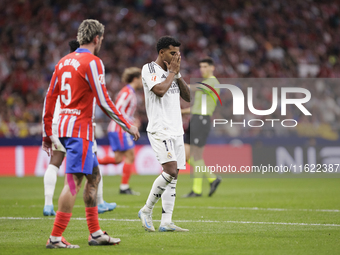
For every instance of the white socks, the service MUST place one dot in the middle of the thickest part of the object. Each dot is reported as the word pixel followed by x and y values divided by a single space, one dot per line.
pixel 55 238
pixel 100 199
pixel 97 233
pixel 124 186
pixel 157 190
pixel 50 180
pixel 168 202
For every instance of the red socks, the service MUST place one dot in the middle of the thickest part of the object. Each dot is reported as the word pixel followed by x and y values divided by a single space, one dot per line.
pixel 62 219
pixel 107 160
pixel 92 219
pixel 60 223
pixel 127 168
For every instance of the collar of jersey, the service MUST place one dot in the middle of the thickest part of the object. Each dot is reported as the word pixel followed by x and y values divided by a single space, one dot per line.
pixel 129 86
pixel 82 50
pixel 158 66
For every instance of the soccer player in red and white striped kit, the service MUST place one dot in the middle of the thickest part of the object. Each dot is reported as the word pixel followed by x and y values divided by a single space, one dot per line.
pixel 121 142
pixel 79 79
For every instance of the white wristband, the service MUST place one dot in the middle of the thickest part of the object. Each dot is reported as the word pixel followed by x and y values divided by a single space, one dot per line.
pixel 177 76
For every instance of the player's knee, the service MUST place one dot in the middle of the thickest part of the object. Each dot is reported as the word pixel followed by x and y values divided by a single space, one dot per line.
pixel 130 158
pixel 95 178
pixel 118 158
pixel 171 168
pixel 99 177
pixel 57 158
pixel 78 187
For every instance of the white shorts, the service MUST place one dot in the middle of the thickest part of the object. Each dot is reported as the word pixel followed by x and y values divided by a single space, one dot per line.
pixel 55 132
pixel 168 148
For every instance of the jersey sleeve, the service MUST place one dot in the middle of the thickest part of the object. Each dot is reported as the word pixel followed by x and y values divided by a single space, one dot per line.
pixel 149 76
pixel 96 79
pixel 49 105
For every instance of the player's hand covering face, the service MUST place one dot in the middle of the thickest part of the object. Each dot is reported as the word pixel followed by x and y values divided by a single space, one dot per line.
pixel 167 55
pixel 175 63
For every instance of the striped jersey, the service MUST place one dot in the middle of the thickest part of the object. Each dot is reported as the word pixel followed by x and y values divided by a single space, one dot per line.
pixel 126 103
pixel 79 80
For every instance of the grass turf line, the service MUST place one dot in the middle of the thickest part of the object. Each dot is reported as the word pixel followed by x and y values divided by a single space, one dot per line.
pixel 21 197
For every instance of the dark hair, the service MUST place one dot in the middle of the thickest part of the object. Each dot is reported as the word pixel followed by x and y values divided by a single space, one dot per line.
pixel 74 44
pixel 165 41
pixel 207 60
pixel 130 73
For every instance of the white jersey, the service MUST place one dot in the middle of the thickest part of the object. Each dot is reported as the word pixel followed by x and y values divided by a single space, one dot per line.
pixel 164 113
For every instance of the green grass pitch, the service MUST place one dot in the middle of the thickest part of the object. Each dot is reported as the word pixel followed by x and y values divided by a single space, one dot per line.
pixel 245 216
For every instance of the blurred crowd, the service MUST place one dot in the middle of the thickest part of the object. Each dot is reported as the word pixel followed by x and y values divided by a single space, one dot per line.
pixel 246 38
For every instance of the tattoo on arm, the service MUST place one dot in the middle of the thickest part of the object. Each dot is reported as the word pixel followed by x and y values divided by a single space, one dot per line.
pixel 184 89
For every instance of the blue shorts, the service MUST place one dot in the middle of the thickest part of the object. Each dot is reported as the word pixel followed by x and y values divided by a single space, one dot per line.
pixel 121 141
pixel 80 157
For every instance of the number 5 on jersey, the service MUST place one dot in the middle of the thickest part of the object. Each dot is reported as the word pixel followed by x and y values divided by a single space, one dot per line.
pixel 67 87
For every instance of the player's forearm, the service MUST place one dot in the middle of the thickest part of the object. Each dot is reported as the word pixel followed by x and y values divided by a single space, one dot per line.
pixel 161 88
pixel 49 105
pixel 185 110
pixel 47 129
pixel 184 89
pixel 47 126
pixel 48 110
pixel 109 108
pixel 116 116
pixel 47 122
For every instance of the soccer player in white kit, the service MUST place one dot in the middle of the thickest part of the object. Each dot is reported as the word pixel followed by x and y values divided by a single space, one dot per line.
pixel 163 87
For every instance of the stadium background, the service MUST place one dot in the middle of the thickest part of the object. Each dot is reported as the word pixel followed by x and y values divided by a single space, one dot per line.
pixel 246 39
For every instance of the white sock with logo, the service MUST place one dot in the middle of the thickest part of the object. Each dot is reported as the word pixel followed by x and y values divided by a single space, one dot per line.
pixel 157 190
pixel 100 199
pixel 168 202
pixel 50 180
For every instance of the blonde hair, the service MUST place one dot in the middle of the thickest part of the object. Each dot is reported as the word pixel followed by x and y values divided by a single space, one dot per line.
pixel 88 30
pixel 130 73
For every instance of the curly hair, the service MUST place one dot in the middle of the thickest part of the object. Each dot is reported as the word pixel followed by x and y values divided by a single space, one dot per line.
pixel 88 30
pixel 165 41
pixel 74 44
